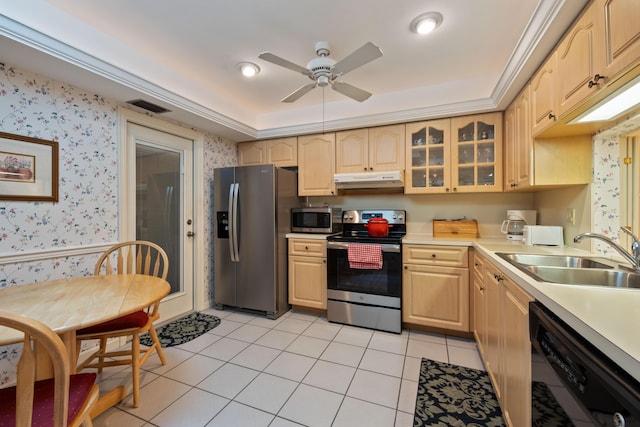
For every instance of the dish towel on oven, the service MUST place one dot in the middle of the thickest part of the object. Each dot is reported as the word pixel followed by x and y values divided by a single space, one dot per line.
pixel 364 256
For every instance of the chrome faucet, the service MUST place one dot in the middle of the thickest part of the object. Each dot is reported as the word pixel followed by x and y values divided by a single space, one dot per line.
pixel 633 259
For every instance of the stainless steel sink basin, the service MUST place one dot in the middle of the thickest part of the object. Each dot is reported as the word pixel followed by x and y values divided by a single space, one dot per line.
pixel 557 261
pixel 585 276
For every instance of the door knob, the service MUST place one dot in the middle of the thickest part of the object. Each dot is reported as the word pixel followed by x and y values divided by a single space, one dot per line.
pixel 190 234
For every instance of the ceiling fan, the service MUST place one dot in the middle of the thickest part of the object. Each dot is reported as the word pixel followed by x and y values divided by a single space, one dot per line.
pixel 324 71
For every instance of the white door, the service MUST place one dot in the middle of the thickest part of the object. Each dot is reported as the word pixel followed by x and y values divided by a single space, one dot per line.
pixel 163 207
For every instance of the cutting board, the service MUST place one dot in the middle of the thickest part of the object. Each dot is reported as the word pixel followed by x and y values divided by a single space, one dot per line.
pixel 458 228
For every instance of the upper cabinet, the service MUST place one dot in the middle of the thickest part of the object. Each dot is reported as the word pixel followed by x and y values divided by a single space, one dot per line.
pixel 281 152
pixel 428 152
pixel 370 150
pixel 597 55
pixel 544 95
pixel 463 154
pixel 476 155
pixel 316 165
pixel 578 61
pixel 619 32
pixel 518 142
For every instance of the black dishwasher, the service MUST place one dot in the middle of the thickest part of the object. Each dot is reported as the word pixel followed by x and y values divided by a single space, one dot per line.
pixel 606 393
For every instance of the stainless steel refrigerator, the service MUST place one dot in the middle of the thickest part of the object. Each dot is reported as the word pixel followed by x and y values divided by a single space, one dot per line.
pixel 252 206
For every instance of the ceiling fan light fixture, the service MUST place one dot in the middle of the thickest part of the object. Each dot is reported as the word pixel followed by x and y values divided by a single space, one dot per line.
pixel 426 23
pixel 248 69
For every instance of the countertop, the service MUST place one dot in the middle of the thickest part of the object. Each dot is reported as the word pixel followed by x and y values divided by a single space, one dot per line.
pixel 607 317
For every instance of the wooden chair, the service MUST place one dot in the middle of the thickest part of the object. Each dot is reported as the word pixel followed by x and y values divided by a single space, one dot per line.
pixel 64 400
pixel 139 257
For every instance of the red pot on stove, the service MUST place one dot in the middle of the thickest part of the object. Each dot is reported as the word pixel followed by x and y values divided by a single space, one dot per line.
pixel 378 227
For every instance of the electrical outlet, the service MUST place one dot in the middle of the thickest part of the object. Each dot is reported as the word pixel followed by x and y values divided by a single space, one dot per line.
pixel 571 216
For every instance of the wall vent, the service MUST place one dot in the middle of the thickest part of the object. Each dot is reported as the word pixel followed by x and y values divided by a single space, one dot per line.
pixel 146 105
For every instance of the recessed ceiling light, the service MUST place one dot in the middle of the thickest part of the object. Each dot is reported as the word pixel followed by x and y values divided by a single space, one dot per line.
pixel 248 69
pixel 426 23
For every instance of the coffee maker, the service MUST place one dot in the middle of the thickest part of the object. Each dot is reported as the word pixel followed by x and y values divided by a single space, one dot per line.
pixel 513 226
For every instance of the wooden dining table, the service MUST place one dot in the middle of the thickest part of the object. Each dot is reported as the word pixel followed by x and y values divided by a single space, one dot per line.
pixel 67 305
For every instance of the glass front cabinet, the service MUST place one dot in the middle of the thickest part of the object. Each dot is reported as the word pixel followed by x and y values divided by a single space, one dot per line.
pixel 463 155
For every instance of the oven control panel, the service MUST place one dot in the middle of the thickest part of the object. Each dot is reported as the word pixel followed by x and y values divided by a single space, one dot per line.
pixel 362 216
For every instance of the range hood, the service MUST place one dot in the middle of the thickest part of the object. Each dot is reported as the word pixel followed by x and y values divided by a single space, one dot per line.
pixel 386 179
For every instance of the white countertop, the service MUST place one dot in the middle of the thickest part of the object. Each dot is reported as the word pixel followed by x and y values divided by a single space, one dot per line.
pixel 609 318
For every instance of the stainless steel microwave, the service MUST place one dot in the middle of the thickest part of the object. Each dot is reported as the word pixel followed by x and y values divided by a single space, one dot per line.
pixel 322 220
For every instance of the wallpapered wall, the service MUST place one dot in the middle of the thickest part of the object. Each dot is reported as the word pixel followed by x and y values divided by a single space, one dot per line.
pixel 85 126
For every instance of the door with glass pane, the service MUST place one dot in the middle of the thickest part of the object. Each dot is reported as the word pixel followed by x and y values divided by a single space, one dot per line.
pixel 163 206
pixel 476 157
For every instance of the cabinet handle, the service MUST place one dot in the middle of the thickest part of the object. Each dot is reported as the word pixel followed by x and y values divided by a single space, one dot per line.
pixel 455 189
pixel 498 277
pixel 433 255
pixel 306 248
pixel 406 267
pixel 481 288
pixel 514 185
pixel 595 80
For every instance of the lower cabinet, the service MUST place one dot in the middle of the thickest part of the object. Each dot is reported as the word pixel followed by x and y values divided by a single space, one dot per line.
pixel 435 286
pixel 308 273
pixel 501 328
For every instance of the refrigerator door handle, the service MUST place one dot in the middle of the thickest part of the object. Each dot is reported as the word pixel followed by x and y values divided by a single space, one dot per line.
pixel 231 224
pixel 234 223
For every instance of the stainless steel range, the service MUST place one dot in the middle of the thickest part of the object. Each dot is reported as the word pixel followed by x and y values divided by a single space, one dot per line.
pixel 364 273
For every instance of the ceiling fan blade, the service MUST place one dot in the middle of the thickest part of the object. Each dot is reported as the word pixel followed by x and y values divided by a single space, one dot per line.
pixel 298 93
pixel 351 91
pixel 367 53
pixel 270 57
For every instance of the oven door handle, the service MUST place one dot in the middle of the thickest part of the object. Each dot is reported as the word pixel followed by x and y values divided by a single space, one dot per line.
pixel 386 247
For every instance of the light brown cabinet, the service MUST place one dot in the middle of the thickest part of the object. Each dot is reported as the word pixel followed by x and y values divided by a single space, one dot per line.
pixel 463 155
pixel 435 287
pixel 370 149
pixel 428 151
pixel 476 156
pixel 620 34
pixel 544 95
pixel 518 144
pixel 282 152
pixel 541 162
pixel 501 328
pixel 316 165
pixel 578 61
pixel 308 273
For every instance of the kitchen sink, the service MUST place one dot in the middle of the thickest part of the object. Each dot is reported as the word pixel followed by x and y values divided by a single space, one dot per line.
pixel 557 261
pixel 574 270
pixel 585 276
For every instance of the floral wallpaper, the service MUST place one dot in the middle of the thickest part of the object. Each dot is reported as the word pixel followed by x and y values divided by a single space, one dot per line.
pixel 86 129
pixel 605 198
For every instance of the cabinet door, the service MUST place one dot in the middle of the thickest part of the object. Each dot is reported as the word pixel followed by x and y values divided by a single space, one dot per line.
pixel 427 160
pixel 620 33
pixel 480 307
pixel 495 329
pixel 252 153
pixel 308 281
pixel 386 148
pixel 436 296
pixel 517 356
pixel 282 152
pixel 577 61
pixel 316 165
pixel 352 151
pixel 518 143
pixel 476 158
pixel 544 95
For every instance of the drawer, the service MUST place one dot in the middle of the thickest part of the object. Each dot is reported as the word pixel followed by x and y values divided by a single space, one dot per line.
pixel 450 256
pixel 308 247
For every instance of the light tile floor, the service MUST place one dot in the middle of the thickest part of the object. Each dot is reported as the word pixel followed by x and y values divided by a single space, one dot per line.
pixel 296 370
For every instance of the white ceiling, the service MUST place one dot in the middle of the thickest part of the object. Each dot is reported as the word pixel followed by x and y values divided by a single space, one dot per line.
pixel 183 55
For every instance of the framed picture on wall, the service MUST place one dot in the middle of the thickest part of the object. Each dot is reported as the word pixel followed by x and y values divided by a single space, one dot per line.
pixel 28 168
